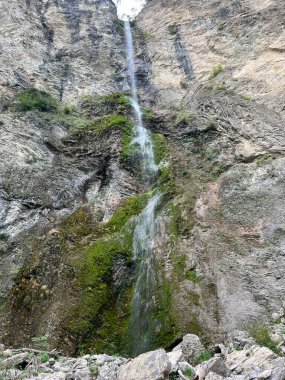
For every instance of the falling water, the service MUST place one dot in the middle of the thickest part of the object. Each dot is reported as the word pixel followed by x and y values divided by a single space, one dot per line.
pixel 143 304
pixel 141 135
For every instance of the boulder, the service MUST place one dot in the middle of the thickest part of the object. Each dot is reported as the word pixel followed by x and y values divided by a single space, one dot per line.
pixel 191 347
pixel 215 365
pixel 175 357
pixel 153 365
pixel 14 361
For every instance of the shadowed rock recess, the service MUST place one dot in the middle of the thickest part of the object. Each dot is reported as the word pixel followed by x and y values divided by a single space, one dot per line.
pixel 75 189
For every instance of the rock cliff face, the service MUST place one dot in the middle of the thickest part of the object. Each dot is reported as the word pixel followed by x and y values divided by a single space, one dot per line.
pixel 212 77
pixel 69 48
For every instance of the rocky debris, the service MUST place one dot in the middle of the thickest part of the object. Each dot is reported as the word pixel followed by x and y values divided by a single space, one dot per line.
pixel 247 363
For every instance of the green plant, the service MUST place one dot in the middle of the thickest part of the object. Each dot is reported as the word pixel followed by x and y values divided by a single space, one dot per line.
pixel 172 29
pixel 193 277
pixel 41 342
pixel 148 115
pixel 44 357
pixel 216 71
pixel 121 25
pixel 247 97
pixel 220 87
pixel 94 371
pixel 114 103
pixel 262 160
pixel 183 119
pixel 69 109
pixel 33 99
pixel 203 357
pixel 262 337
pixel 145 34
pixel 1 123
pixel 188 372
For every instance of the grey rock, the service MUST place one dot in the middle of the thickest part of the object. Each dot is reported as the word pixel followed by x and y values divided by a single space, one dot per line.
pixel 14 360
pixel 278 373
pixel 191 347
pixel 216 365
pixel 7 353
pixel 175 357
pixel 108 371
pixel 51 361
pixel 152 365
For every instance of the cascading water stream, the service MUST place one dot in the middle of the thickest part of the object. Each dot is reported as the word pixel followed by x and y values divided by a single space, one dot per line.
pixel 143 303
pixel 141 135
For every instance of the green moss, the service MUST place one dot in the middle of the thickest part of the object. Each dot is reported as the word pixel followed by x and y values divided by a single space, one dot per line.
pixel 97 320
pixel 159 147
pixel 34 99
pixel 131 207
pixel 166 181
pixel 77 225
pixel 164 323
pixel 216 71
pixel 131 154
pixel 115 103
pixel 105 124
pixel 148 115
pixel 100 319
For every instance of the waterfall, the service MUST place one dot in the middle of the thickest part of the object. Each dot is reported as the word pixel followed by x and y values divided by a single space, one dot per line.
pixel 141 135
pixel 143 304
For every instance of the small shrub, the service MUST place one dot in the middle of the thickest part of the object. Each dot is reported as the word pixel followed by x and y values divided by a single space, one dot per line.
pixel 216 71
pixel 193 277
pixel 188 372
pixel 247 97
pixel 183 119
pixel 172 29
pixel 220 87
pixel 69 109
pixel 1 123
pixel 94 371
pixel 203 357
pixel 262 337
pixel 41 342
pixel 148 115
pixel 34 99
pixel 44 357
pixel 121 25
pixel 145 34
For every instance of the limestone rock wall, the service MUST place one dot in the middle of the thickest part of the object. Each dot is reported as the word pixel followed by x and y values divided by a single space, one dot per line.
pixel 69 48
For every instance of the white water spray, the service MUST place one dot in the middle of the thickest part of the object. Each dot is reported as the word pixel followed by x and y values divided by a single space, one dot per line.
pixel 144 303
